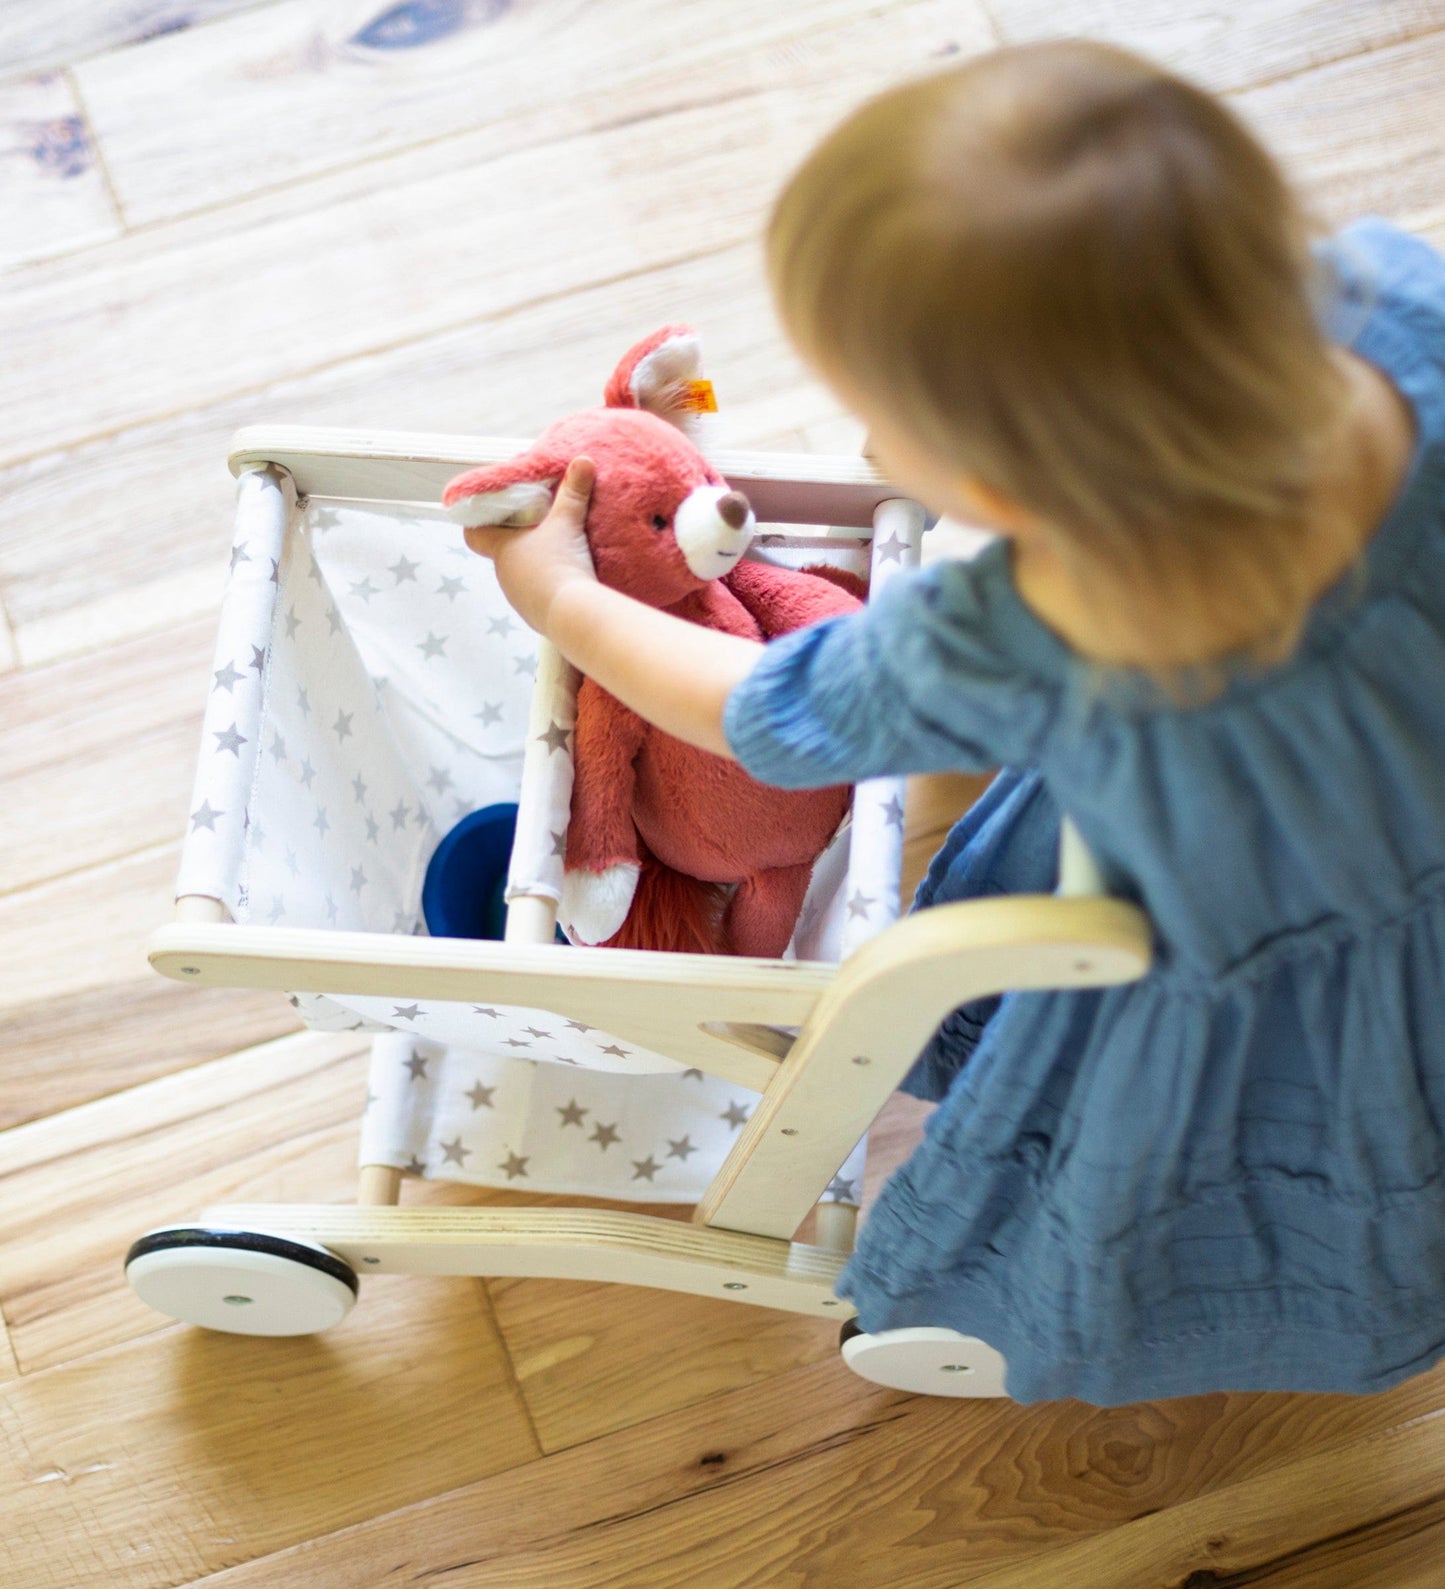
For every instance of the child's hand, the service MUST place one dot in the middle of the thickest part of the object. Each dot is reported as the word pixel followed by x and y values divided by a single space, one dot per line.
pixel 533 565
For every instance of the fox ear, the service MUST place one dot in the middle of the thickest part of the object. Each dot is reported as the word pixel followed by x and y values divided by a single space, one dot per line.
pixel 663 374
pixel 516 493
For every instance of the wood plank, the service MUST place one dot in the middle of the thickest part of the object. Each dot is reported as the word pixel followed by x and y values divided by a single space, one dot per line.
pixel 81 1013
pixel 53 195
pixel 36 38
pixel 840 494
pixel 286 93
pixel 1241 1533
pixel 816 1477
pixel 166 501
pixel 86 932
pixel 588 1495
pixel 181 1454
pixel 591 1359
pixel 661 1002
pixel 276 1123
pixel 393 249
pixel 60 1052
pixel 67 591
pixel 9 1367
pixel 1228 46
pixel 1364 135
pixel 126 720
pixel 1401 1551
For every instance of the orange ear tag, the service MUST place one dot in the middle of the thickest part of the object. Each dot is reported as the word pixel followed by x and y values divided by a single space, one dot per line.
pixel 697 397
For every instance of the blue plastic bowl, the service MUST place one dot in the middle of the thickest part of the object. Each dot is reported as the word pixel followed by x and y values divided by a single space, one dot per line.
pixel 466 882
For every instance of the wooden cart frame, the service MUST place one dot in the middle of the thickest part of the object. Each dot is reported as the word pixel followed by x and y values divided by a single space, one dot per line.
pixel 860 1024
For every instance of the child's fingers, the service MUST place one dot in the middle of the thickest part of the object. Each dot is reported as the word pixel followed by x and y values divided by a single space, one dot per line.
pixel 575 490
pixel 568 510
pixel 486 538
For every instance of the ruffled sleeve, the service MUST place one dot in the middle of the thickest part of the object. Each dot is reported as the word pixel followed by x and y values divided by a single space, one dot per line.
pixel 943 670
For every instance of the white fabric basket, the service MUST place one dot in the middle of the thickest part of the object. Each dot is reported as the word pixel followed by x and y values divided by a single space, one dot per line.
pixel 370 688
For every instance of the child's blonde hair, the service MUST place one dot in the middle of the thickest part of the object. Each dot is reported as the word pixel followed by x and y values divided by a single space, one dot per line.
pixel 1080 281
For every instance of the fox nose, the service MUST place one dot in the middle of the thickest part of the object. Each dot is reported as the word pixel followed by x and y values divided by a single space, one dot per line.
pixel 733 509
pixel 712 527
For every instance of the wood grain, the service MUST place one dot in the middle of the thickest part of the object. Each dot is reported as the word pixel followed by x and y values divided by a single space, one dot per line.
pixel 272 287
pixel 1243 1533
pixel 1224 46
pixel 1353 155
pixel 37 37
pixel 269 1441
pixel 452 280
pixel 9 1367
pixel 96 762
pixel 1401 1550
pixel 292 91
pixel 842 495
pixel 814 1477
pixel 594 1359
pixel 125 720
pixel 276 1123
pixel 53 195
pixel 60 1052
pixel 102 917
pixel 127 534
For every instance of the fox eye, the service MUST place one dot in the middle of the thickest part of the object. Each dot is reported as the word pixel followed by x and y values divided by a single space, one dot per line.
pixel 659 522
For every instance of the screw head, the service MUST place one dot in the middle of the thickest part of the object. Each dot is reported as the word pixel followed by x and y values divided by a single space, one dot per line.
pixel 238 1302
pixel 371 1260
pixel 190 971
pixel 956 1368
pixel 734 1285
pixel 861 1059
pixel 789 1131
pixel 831 1302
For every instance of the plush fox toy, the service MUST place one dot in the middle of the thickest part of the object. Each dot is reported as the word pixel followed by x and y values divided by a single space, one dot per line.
pixel 670 847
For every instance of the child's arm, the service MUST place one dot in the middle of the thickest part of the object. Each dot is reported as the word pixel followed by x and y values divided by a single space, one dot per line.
pixel 670 672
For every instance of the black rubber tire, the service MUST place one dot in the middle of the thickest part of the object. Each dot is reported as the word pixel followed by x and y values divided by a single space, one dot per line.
pixel 246 1241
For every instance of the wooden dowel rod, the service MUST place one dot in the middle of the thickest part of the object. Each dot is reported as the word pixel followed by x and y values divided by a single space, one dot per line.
pixel 379 1186
pixel 834 1226
pixel 200 907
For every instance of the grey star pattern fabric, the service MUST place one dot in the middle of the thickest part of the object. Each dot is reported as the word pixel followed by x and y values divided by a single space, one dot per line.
pixel 371 687
pixel 450 1113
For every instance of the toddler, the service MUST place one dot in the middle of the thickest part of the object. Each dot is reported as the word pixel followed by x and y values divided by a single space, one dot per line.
pixel 1073 299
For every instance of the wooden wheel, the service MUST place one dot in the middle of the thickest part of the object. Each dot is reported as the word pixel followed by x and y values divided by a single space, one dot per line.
pixel 244 1282
pixel 928 1362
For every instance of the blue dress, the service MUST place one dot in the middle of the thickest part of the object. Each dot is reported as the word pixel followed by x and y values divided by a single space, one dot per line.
pixel 1231 1174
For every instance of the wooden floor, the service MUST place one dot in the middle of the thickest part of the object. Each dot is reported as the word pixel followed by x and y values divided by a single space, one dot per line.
pixel 453 215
